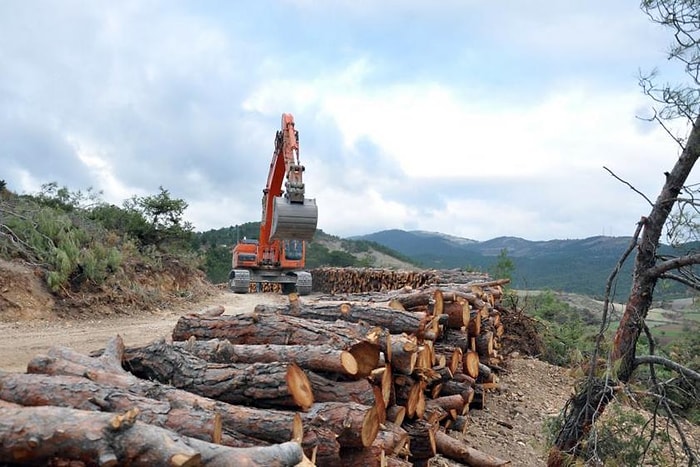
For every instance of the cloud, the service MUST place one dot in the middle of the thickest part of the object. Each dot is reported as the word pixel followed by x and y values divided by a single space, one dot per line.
pixel 471 119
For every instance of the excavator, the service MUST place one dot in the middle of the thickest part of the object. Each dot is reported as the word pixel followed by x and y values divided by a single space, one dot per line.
pixel 288 221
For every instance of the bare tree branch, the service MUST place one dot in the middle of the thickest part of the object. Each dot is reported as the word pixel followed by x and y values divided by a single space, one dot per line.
pixel 667 363
pixel 675 263
pixel 630 186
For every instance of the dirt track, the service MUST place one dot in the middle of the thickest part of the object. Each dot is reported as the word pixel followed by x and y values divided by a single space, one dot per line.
pixel 23 340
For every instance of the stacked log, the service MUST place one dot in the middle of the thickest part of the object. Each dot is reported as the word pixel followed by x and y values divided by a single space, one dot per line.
pixel 388 380
pixel 358 280
pixel 331 280
pixel 424 358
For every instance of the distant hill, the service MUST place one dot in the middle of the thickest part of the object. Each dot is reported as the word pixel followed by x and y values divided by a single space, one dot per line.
pixel 578 266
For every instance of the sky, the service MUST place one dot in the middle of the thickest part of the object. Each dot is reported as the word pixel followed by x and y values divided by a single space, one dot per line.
pixel 471 118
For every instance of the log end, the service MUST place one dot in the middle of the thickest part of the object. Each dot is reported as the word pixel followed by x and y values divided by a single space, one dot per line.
pixel 370 427
pixel 349 363
pixel 299 387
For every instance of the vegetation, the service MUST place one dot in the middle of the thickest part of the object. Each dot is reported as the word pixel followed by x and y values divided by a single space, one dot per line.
pixel 79 241
pixel 674 213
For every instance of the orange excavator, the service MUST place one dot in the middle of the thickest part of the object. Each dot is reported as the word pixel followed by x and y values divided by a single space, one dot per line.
pixel 288 221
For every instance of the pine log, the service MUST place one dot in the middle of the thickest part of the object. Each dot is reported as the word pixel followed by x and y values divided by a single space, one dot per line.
pixel 391 440
pixel 484 344
pixel 395 321
pixel 322 446
pixel 471 364
pixel 454 339
pixel 272 328
pixel 474 325
pixel 355 425
pixel 422 441
pixel 459 424
pixel 460 452
pixel 396 414
pixel 401 351
pixel 34 435
pixel 309 357
pixel 80 393
pixel 455 402
pixel 327 390
pixel 257 384
pixel 458 314
pixel 413 300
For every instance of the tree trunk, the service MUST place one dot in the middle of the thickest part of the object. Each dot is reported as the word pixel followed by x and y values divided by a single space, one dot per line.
pixel 257 384
pixel 324 358
pixel 355 425
pixel 34 435
pixel 460 452
pixel 395 321
pixel 81 393
pixel 273 328
pixel 591 401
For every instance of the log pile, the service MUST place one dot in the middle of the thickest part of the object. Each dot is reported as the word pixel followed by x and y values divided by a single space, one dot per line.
pixel 331 280
pixel 385 380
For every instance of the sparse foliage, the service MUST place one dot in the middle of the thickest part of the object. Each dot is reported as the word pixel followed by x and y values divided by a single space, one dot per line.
pixel 504 266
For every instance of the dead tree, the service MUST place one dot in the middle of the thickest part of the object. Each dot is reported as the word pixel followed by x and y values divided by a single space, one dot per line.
pixel 673 209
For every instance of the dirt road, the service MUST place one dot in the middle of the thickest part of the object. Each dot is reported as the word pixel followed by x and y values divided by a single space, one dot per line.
pixel 23 340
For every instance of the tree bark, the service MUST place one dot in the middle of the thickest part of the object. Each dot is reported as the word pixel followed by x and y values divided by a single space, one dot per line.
pixel 395 321
pixel 33 435
pixel 257 384
pixel 273 328
pixel 460 452
pixel 324 358
pixel 355 425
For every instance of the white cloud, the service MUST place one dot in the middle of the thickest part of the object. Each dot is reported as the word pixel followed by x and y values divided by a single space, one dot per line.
pixel 499 126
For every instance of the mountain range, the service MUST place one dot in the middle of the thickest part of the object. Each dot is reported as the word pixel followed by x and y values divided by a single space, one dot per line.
pixel 577 265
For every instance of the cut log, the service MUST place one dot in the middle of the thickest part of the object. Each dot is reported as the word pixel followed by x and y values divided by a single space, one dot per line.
pixel 391 440
pixel 458 314
pixel 272 328
pixel 413 300
pixel 474 325
pixel 36 435
pixel 396 414
pixel 354 424
pixel 395 321
pixel 422 441
pixel 322 446
pixel 326 390
pixel 402 352
pixel 457 450
pixel 257 384
pixel 484 344
pixel 460 424
pixel 81 393
pixel 323 358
